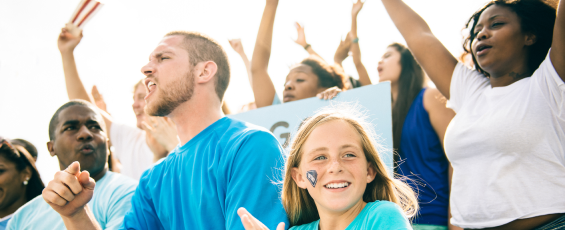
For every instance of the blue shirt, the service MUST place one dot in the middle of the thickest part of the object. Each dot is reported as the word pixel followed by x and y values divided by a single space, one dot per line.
pixel 375 215
pixel 4 221
pixel 230 164
pixel 423 160
pixel 110 201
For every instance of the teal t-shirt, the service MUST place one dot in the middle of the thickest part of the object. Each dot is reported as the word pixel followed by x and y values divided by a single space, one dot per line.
pixel 110 202
pixel 375 215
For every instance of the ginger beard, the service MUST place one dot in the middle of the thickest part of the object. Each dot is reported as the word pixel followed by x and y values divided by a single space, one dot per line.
pixel 171 96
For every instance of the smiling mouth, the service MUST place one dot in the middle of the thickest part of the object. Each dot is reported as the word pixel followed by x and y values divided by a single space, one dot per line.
pixel 337 185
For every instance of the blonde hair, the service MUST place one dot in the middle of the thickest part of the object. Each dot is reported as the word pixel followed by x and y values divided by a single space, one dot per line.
pixel 298 203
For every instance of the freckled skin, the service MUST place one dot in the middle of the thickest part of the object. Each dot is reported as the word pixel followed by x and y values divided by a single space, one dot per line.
pixel 334 150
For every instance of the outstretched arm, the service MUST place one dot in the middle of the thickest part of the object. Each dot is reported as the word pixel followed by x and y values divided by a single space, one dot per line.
pixel 342 51
pixel 557 53
pixel 301 40
pixel 427 49
pixel 238 47
pixel 263 88
pixel 75 89
pixel 355 49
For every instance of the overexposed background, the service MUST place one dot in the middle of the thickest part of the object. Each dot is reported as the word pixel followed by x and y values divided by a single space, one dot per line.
pixel 119 39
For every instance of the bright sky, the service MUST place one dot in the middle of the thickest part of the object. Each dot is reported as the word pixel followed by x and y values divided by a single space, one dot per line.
pixel 119 39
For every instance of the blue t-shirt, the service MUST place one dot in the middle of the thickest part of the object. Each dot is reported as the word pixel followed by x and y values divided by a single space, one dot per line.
pixel 4 221
pixel 375 215
pixel 230 164
pixel 423 160
pixel 110 201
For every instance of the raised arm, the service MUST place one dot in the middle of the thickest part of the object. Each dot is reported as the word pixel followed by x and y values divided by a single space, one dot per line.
pixel 355 50
pixel 75 89
pixel 263 88
pixel 238 47
pixel 301 40
pixel 342 51
pixel 557 53
pixel 427 49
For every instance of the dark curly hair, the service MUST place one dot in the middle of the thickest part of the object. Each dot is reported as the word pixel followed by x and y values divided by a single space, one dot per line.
pixel 328 75
pixel 536 17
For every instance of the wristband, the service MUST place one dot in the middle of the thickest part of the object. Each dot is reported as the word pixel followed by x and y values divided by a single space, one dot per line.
pixel 355 40
pixel 307 46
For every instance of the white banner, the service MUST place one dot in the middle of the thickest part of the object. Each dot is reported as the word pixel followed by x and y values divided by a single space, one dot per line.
pixel 283 120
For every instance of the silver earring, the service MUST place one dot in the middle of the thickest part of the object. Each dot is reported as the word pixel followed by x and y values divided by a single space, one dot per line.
pixel 25 181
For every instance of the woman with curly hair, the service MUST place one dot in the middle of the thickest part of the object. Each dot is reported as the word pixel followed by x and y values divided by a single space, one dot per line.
pixel 507 142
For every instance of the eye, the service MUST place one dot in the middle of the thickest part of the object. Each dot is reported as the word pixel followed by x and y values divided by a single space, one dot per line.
pixel 348 155
pixel 68 128
pixel 320 158
pixel 97 127
pixel 2 171
pixel 300 80
pixel 496 24
pixel 163 58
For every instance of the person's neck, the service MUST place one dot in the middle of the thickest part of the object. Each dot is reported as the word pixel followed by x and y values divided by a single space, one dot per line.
pixel 99 175
pixel 330 220
pixel 14 206
pixel 195 115
pixel 394 92
pixel 507 76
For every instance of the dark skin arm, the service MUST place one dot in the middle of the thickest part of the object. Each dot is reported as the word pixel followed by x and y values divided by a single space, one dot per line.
pixel 436 60
pixel 263 87
pixel 557 54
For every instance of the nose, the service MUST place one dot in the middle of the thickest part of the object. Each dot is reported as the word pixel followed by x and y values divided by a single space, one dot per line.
pixel 84 134
pixel 335 167
pixel 148 69
pixel 483 34
pixel 288 86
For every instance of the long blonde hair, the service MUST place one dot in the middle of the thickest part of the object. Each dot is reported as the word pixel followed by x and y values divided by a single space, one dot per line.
pixel 298 203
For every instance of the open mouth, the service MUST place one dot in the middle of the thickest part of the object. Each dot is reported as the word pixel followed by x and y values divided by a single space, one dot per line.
pixel 481 49
pixel 151 86
pixel 337 185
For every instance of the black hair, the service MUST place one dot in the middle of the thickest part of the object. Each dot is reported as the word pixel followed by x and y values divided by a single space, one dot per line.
pixel 27 145
pixel 15 155
pixel 410 83
pixel 55 119
pixel 328 75
pixel 536 17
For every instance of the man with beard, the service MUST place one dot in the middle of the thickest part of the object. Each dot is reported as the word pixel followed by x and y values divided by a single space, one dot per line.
pixel 136 148
pixel 221 164
pixel 77 136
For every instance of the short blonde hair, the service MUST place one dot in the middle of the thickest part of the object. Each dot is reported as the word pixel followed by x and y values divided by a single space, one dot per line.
pixel 298 203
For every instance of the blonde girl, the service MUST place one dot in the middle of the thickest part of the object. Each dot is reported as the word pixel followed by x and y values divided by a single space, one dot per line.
pixel 335 179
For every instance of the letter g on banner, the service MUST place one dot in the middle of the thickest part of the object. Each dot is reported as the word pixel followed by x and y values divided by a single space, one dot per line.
pixel 286 136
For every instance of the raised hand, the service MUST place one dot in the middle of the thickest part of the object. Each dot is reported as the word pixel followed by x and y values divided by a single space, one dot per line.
pixel 69 38
pixel 69 191
pixel 342 50
pixel 357 8
pixel 163 130
pixel 98 99
pixel 301 37
pixel 329 93
pixel 250 223
pixel 236 45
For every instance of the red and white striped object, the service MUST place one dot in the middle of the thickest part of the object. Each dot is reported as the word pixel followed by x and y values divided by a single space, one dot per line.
pixel 85 10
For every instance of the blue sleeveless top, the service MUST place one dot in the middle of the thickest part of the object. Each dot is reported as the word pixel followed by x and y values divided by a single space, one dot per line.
pixel 423 160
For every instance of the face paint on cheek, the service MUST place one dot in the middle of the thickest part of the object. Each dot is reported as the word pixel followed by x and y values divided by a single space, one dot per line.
pixel 312 176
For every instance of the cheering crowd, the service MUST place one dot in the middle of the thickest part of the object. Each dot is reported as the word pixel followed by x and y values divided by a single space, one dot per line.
pixel 483 150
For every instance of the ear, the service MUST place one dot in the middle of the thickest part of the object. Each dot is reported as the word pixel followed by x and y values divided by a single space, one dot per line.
pixel 298 178
pixel 50 148
pixel 371 173
pixel 26 174
pixel 206 72
pixel 530 39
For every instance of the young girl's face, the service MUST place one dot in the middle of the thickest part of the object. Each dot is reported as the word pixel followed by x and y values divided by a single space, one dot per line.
pixel 335 152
